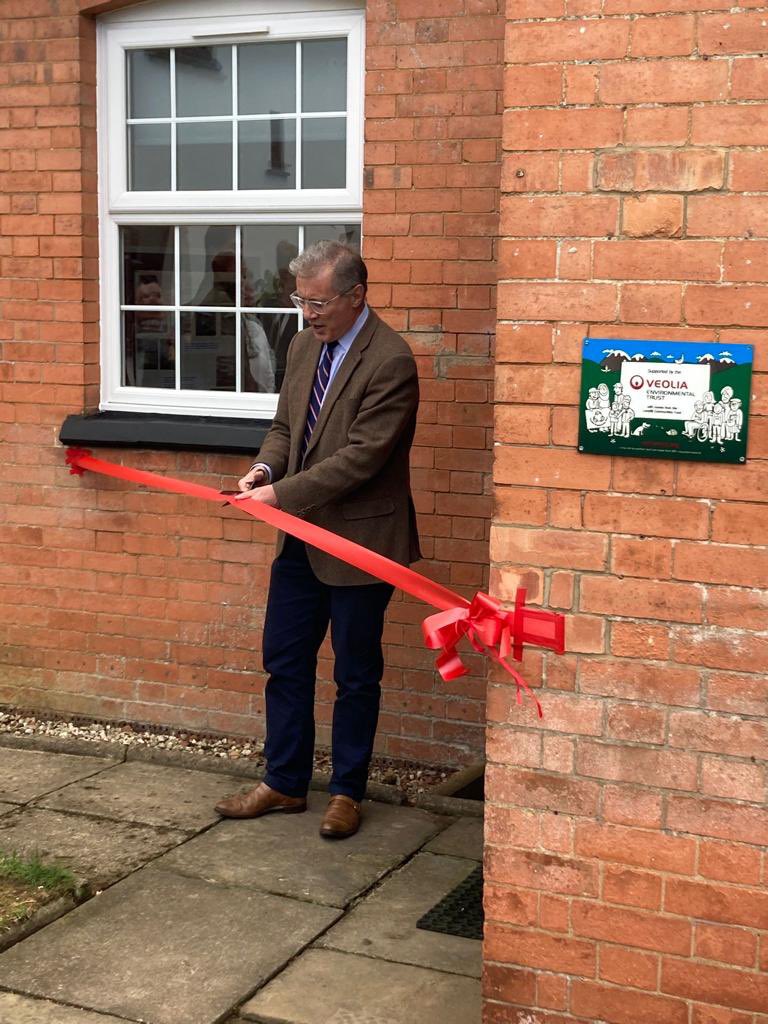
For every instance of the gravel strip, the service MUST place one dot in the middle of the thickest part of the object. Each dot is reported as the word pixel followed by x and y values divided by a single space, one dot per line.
pixel 411 777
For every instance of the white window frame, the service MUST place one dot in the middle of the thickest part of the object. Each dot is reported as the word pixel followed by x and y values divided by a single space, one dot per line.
pixel 164 25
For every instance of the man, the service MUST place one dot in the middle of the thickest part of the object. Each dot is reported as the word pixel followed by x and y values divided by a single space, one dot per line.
pixel 336 455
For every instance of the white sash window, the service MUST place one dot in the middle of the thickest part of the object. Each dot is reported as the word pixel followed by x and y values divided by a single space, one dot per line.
pixel 227 144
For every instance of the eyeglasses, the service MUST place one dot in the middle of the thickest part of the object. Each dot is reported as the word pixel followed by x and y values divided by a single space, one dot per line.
pixel 316 305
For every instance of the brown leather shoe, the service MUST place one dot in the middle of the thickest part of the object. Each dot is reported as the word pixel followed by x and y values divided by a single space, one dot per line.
pixel 260 800
pixel 341 818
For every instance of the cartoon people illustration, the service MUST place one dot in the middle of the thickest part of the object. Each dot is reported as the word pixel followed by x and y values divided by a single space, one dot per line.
pixel 604 405
pixel 693 425
pixel 734 420
pixel 591 406
pixel 626 415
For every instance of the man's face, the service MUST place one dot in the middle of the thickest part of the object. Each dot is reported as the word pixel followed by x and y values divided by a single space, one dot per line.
pixel 337 317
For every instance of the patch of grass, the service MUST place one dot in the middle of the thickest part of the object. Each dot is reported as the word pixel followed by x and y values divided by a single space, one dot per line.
pixel 27 884
pixel 32 871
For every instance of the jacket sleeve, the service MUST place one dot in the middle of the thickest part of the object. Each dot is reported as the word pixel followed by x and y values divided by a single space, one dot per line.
pixel 388 406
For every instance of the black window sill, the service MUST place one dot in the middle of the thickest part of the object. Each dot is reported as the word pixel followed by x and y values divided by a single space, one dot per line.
pixel 173 433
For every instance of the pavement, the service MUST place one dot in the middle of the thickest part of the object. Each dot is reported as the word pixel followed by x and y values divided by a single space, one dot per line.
pixel 190 919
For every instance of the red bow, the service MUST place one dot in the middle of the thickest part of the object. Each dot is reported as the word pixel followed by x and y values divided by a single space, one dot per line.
pixel 494 632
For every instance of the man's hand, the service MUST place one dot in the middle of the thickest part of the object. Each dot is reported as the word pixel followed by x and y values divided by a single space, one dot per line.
pixel 264 494
pixel 253 478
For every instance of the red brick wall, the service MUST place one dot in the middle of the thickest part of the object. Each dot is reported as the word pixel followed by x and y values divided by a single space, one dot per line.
pixel 122 604
pixel 626 865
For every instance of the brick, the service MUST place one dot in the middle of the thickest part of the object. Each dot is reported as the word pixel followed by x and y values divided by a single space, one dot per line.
pixel 622 763
pixel 657 126
pixel 718 818
pixel 636 723
pixel 628 887
pixel 556 301
pixel 690 170
pixel 548 548
pixel 733 988
pixel 605 1003
pixel 627 967
pixel 717 734
pixel 528 384
pixel 650 516
pixel 749 79
pixel 744 261
pixel 582 216
pixel 726 861
pixel 646 557
pixel 728 945
pixel 646 930
pixel 652 216
pixel 545 871
pixel 650 303
pixel 677 261
pixel 549 468
pixel 723 125
pixel 544 790
pixel 643 849
pixel 538 86
pixel 735 305
pixel 734 33
pixel 644 599
pixel 749 171
pixel 587 128
pixel 639 640
pixel 745 609
pixel 526 259
pixel 545 952
pixel 566 41
pixel 723 565
pixel 670 36
pixel 727 215
pixel 632 805
pixel 721 648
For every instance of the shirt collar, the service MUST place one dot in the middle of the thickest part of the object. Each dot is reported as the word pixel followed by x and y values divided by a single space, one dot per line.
pixel 345 341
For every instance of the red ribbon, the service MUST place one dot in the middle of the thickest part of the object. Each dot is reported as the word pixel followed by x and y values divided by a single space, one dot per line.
pixel 490 629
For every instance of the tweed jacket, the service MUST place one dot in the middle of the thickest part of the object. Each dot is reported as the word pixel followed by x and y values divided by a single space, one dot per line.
pixel 354 478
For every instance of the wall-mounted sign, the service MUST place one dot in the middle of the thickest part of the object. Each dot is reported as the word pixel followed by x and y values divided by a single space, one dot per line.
pixel 668 399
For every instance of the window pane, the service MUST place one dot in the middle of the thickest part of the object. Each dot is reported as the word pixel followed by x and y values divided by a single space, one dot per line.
pixel 259 334
pixel 149 353
pixel 203 80
pixel 208 351
pixel 204 156
pixel 267 154
pixel 324 75
pixel 349 234
pixel 267 251
pixel 149 157
pixel 147 265
pixel 266 74
pixel 324 152
pixel 207 265
pixel 149 83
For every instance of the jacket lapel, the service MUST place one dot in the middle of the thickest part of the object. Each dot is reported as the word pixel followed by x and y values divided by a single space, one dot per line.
pixel 345 371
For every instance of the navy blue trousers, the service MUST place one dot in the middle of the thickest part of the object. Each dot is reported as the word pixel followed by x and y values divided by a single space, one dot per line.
pixel 299 609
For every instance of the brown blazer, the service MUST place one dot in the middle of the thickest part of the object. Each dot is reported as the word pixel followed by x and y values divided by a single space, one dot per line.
pixel 354 478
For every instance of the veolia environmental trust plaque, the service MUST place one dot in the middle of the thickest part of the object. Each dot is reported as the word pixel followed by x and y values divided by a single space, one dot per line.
pixel 665 399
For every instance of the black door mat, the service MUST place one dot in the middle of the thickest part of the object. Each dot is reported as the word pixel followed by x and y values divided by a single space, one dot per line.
pixel 460 912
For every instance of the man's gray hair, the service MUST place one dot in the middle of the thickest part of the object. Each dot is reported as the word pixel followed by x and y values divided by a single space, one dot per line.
pixel 347 263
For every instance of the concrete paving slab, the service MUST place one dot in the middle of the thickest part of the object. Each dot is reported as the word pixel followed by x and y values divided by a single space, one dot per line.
pixel 284 854
pixel 26 774
pixel 384 923
pixel 325 987
pixel 164 949
pixel 95 850
pixel 16 1009
pixel 147 793
pixel 462 839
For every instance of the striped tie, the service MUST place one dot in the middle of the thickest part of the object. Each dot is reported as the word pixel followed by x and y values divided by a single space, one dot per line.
pixel 318 391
